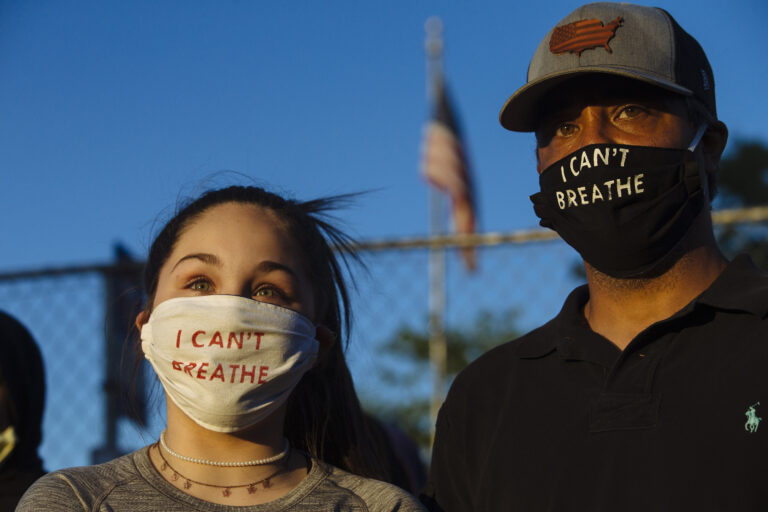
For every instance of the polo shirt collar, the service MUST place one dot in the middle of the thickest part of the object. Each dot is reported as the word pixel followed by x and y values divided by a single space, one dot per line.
pixel 571 336
pixel 740 287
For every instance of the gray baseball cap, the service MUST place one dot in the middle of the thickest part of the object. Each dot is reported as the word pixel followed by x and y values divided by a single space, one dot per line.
pixel 633 41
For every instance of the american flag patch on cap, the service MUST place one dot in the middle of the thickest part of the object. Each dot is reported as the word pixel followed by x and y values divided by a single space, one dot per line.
pixel 583 35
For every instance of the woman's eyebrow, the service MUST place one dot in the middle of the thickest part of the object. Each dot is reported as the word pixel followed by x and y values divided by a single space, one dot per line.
pixel 269 266
pixel 210 259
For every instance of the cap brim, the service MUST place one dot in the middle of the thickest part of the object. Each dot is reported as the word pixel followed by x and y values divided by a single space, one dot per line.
pixel 519 112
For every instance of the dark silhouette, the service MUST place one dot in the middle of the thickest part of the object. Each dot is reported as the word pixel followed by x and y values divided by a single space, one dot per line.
pixel 22 398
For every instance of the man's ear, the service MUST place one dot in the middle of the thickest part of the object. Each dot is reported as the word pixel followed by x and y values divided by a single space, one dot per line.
pixel 712 146
pixel 325 336
pixel 141 319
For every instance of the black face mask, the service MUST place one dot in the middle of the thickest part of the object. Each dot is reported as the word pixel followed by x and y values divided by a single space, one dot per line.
pixel 623 208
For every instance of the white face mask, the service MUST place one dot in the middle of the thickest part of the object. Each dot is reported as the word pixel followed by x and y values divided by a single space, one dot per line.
pixel 228 362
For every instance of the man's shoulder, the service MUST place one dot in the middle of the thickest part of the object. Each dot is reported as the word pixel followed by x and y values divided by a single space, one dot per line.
pixel 499 361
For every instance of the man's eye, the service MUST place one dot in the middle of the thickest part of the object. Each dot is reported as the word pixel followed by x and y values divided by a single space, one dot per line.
pixel 629 112
pixel 200 285
pixel 566 130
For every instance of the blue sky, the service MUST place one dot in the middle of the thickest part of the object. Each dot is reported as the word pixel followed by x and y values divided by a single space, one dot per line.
pixel 109 111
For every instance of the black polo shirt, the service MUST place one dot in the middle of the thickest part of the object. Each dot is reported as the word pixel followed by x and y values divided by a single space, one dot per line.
pixel 561 419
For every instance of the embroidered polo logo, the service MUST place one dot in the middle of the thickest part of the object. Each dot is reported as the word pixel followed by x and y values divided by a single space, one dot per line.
pixel 753 421
pixel 583 35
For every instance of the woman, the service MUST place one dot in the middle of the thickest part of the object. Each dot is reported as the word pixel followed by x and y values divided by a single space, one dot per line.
pixel 245 308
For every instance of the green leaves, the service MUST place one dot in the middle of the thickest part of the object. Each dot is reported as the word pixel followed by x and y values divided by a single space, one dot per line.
pixel 410 382
pixel 743 181
pixel 743 175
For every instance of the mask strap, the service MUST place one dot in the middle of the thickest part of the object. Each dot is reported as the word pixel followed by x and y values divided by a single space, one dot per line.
pixel 697 137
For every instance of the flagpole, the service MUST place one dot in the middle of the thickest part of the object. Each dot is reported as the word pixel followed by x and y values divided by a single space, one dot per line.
pixel 437 271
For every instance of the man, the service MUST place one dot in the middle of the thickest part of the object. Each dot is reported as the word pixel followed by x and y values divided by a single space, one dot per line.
pixel 635 396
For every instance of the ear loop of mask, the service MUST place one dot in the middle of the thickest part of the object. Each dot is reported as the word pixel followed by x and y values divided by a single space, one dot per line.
pixel 697 138
pixel 703 178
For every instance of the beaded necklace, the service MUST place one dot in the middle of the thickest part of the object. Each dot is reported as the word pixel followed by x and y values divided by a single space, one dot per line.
pixel 227 489
pixel 256 462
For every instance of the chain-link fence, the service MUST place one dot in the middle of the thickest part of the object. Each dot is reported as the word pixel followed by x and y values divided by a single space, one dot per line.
pixel 521 281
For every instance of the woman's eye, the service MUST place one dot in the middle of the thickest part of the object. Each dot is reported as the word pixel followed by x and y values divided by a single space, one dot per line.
pixel 270 294
pixel 267 291
pixel 200 285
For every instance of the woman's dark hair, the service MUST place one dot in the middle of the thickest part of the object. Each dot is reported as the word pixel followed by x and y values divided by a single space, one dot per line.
pixel 324 416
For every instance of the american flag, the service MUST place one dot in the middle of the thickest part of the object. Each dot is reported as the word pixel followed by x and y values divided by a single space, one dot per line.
pixel 445 166
pixel 582 35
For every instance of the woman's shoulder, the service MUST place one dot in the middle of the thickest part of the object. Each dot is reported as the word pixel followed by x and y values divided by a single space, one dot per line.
pixel 375 495
pixel 76 487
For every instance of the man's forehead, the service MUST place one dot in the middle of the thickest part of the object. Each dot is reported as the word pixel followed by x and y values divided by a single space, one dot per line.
pixel 604 90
